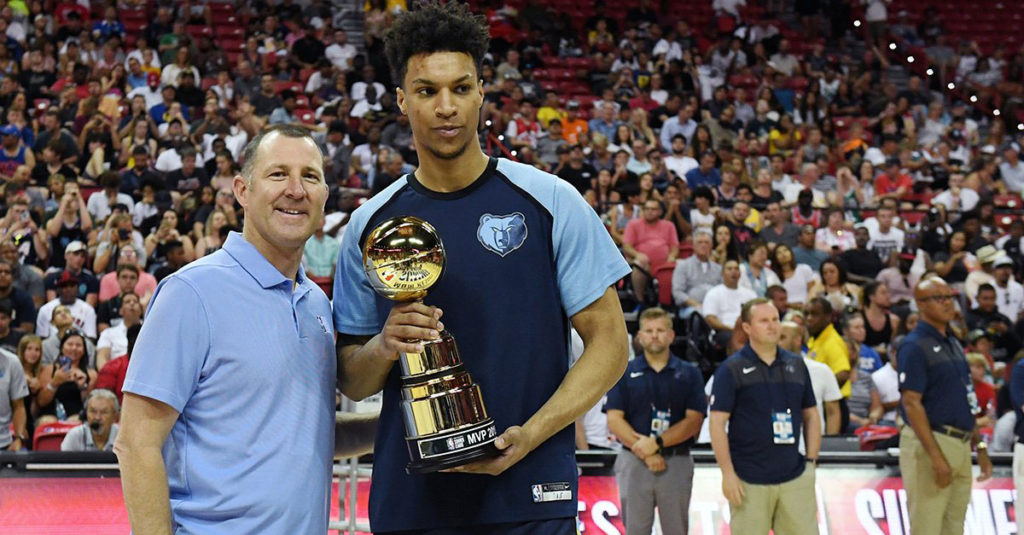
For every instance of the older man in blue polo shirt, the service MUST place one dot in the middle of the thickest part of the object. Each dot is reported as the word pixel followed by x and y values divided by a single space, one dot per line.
pixel 940 405
pixel 765 395
pixel 228 418
pixel 654 410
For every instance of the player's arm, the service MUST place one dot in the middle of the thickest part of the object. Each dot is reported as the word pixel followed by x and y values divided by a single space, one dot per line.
pixel 145 424
pixel 605 352
pixel 365 362
pixel 603 330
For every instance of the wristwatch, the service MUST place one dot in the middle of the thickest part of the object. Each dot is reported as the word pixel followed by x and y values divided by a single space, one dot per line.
pixel 661 443
pixel 982 446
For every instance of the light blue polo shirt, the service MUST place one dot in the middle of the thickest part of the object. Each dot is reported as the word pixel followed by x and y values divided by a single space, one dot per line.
pixel 250 366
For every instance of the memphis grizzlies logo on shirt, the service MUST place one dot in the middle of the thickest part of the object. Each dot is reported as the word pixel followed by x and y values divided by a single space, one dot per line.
pixel 502 234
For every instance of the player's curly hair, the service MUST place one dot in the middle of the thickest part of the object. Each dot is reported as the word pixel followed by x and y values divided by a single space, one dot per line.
pixel 435 27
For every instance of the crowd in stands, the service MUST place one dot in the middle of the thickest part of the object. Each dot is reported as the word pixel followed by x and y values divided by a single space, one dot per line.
pixel 730 154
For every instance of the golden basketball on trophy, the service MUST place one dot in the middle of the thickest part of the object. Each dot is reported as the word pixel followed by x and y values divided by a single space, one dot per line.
pixel 446 424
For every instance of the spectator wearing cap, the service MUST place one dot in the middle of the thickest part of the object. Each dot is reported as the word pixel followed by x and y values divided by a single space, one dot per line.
pixel 82 313
pixel 987 257
pixel 75 256
pixel 188 92
pixel 15 153
pixel 151 91
pixel 1009 293
pixel 986 316
pixel 1012 169
pixel 573 125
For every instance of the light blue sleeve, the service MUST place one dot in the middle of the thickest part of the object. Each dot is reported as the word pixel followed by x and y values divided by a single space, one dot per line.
pixel 587 260
pixel 355 304
pixel 172 346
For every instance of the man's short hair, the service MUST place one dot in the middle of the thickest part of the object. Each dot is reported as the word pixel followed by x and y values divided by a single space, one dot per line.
pixel 986 287
pixel 435 27
pixel 774 289
pixel 128 267
pixel 745 310
pixel 287 130
pixel 655 313
pixel 703 232
pixel 103 393
pixel 826 305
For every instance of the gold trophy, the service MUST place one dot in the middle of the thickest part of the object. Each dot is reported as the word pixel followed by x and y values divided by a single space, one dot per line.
pixel 446 424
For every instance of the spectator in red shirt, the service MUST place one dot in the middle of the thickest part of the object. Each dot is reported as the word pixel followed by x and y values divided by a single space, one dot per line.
pixel 893 183
pixel 649 242
pixel 985 391
pixel 112 374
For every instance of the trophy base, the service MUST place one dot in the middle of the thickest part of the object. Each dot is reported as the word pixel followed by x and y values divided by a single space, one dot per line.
pixel 452 449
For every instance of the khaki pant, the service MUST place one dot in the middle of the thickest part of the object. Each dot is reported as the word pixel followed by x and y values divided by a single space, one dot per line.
pixel 1018 483
pixel 935 511
pixel 789 508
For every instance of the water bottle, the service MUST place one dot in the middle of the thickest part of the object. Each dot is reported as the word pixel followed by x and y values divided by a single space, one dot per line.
pixel 62 413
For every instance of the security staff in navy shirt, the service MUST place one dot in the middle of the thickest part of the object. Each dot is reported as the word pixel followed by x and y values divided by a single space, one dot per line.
pixel 654 410
pixel 764 393
pixel 940 405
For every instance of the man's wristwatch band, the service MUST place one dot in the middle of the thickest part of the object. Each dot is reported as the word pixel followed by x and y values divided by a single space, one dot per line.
pixel 661 443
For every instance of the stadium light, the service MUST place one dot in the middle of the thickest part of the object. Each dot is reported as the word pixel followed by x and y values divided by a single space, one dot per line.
pixel 892 46
pixel 929 72
pixel 910 59
pixel 974 98
pixel 951 86
pixel 1020 126
pixel 488 123
pixel 995 112
pixel 514 153
pixel 856 24
pixel 501 138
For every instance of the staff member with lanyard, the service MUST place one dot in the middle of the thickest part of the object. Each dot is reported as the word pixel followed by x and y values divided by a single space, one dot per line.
pixel 654 409
pixel 940 405
pixel 765 395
